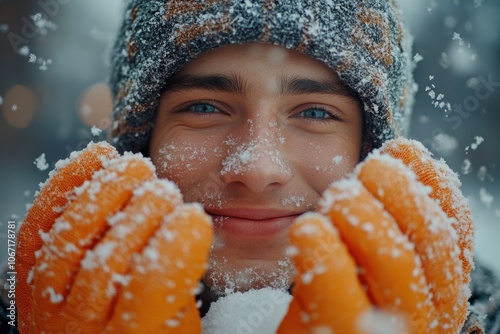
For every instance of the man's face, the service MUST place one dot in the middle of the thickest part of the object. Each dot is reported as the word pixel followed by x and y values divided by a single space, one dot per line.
pixel 255 133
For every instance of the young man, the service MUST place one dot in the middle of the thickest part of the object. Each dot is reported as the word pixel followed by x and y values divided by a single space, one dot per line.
pixel 261 112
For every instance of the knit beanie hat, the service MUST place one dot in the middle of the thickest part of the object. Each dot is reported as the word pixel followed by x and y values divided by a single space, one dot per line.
pixel 364 41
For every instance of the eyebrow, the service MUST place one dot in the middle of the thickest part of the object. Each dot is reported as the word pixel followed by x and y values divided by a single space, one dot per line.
pixel 233 83
pixel 226 83
pixel 297 86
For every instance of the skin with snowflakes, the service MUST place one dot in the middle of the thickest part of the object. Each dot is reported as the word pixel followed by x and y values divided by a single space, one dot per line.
pixel 257 181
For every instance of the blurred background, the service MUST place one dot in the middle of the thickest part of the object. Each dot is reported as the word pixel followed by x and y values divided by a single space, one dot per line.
pixel 54 63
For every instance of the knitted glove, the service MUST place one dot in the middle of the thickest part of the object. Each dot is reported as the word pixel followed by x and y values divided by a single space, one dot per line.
pixel 395 238
pixel 105 248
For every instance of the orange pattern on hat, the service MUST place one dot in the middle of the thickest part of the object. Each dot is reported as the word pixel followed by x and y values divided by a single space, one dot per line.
pixel 381 50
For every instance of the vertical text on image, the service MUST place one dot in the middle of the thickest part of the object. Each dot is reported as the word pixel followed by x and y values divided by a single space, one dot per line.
pixel 10 282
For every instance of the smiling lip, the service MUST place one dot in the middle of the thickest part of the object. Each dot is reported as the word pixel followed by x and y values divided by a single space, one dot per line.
pixel 244 222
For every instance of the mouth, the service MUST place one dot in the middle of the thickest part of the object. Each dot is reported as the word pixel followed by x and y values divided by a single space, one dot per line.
pixel 253 223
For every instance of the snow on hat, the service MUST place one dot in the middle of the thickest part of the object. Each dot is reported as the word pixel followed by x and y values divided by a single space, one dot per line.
pixel 364 41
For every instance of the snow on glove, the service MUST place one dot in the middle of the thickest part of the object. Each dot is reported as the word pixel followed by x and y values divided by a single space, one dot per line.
pixel 48 205
pixel 385 238
pixel 115 259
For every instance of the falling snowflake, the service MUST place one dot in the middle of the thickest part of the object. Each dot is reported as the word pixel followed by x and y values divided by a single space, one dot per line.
pixel 417 58
pixel 485 197
pixel 466 167
pixel 41 163
pixel 95 131
pixel 24 51
pixel 477 141
pixel 478 3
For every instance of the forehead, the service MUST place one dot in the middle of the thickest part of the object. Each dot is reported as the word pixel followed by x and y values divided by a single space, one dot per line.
pixel 256 58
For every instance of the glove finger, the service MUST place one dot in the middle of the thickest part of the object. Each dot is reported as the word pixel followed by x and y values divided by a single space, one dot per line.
pixel 427 226
pixel 53 197
pixel 105 267
pixel 166 274
pixel 328 291
pixel 293 320
pixel 389 266
pixel 186 321
pixel 78 228
pixel 445 189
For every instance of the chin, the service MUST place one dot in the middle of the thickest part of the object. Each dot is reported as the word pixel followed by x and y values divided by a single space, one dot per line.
pixel 225 275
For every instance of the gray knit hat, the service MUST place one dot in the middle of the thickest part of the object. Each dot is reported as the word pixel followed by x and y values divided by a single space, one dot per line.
pixel 364 41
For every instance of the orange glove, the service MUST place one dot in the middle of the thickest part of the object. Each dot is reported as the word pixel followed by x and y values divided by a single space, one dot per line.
pixel 110 256
pixel 395 245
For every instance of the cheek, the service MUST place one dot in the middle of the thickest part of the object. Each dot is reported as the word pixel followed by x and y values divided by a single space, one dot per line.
pixel 323 162
pixel 192 164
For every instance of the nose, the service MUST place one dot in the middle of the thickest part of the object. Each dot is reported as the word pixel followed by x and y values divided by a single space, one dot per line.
pixel 256 161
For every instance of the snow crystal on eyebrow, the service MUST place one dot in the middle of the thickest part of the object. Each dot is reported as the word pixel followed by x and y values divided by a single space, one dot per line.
pixel 41 163
pixel 255 311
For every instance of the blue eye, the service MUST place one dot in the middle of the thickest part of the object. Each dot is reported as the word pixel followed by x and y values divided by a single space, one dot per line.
pixel 204 108
pixel 315 113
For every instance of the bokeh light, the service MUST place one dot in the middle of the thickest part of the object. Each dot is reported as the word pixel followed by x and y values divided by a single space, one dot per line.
pixel 95 106
pixel 19 106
